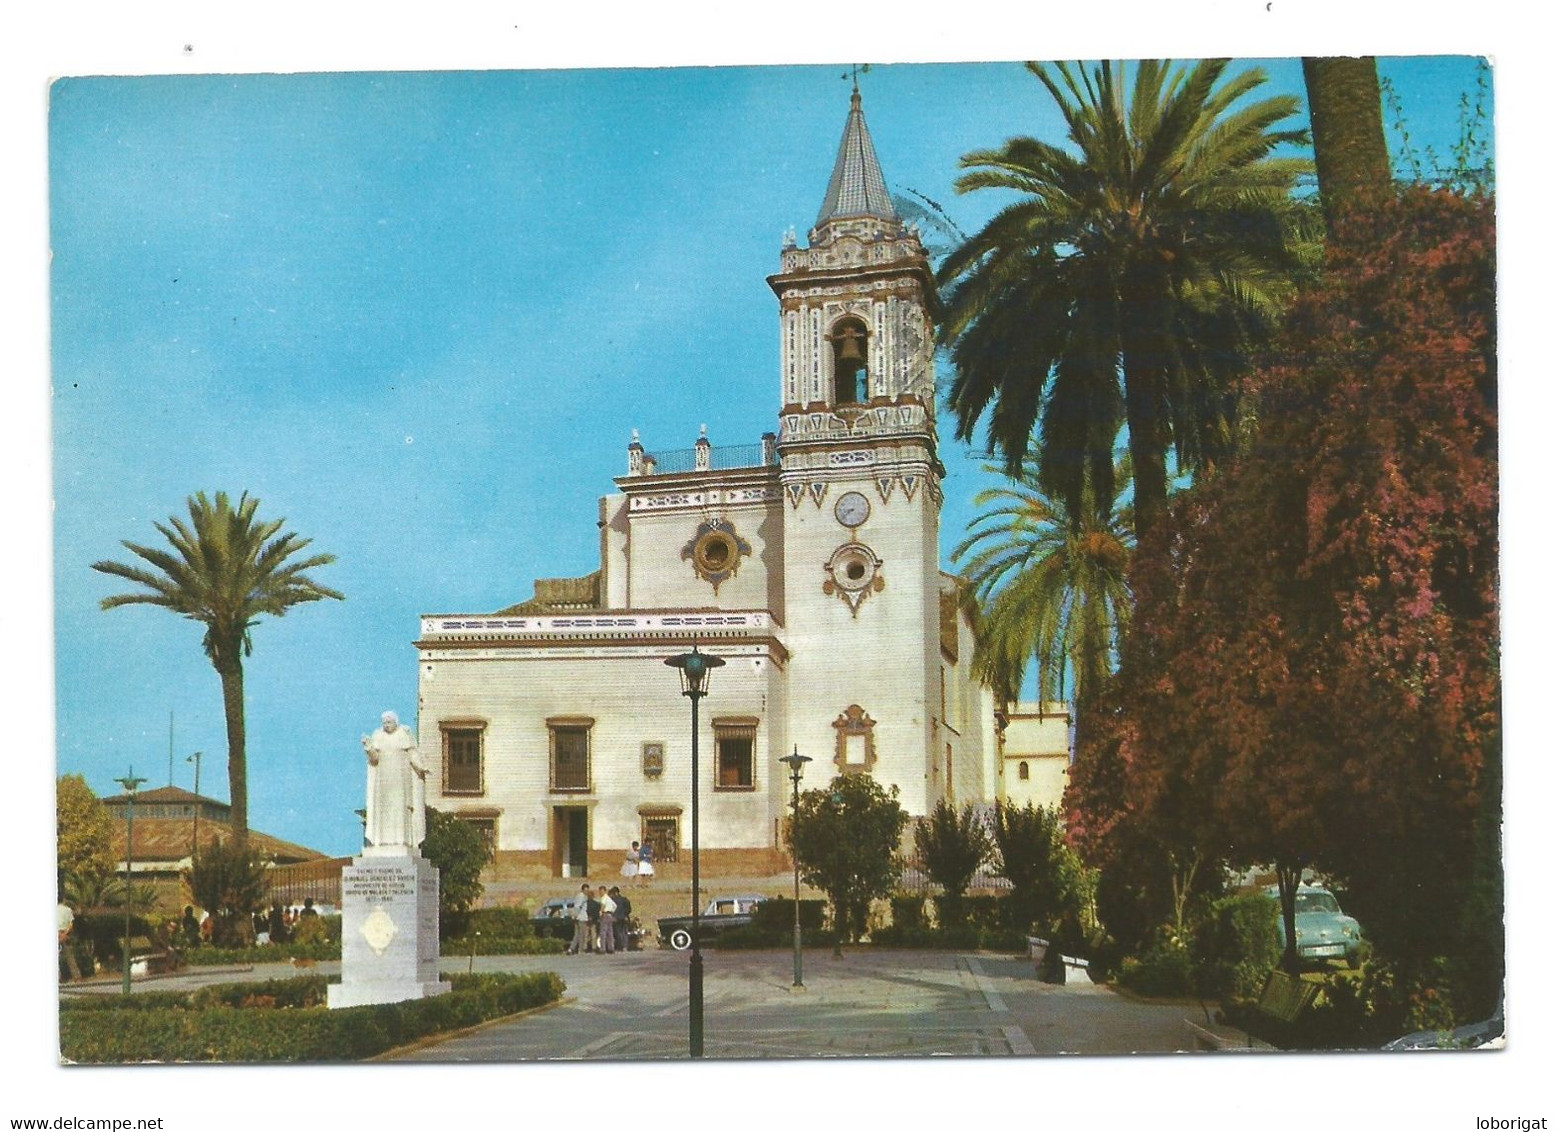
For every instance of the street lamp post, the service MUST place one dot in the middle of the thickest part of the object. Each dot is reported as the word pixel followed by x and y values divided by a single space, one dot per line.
pixel 695 667
pixel 131 784
pixel 194 840
pixel 796 762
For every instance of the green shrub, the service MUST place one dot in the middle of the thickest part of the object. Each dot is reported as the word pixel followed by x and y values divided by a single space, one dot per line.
pixel 1165 971
pixel 754 938
pixel 954 937
pixel 995 914
pixel 310 931
pixel 231 881
pixel 274 1021
pixel 1003 939
pixel 1235 946
pixel 778 915
pixel 500 945
pixel 1000 913
pixel 140 1000
pixel 506 923
pixel 261 953
pixel 273 993
pixel 459 854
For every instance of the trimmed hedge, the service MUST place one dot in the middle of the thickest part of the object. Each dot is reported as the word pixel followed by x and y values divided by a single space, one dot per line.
pixel 753 938
pixel 777 914
pixel 279 1021
pixel 958 937
pixel 260 953
pixel 140 1000
pixel 498 945
pixel 507 923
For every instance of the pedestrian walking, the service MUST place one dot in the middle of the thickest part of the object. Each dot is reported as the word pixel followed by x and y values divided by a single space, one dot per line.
pixel 65 919
pixel 624 911
pixel 580 922
pixel 607 922
pixel 592 909
pixel 189 926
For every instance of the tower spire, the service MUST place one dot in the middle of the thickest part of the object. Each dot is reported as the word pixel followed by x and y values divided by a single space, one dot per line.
pixel 857 187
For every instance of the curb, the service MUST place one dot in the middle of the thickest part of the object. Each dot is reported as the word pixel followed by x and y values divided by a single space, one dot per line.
pixel 447 1035
pixel 76 988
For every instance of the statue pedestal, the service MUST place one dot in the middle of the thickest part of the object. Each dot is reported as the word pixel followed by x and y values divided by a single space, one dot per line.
pixel 389 930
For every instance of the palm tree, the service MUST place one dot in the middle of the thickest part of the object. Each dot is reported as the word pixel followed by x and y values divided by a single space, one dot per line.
pixel 1052 585
pixel 226 568
pixel 1128 281
pixel 1346 110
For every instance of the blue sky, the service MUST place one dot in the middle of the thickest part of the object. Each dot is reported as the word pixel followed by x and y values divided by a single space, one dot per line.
pixel 418 315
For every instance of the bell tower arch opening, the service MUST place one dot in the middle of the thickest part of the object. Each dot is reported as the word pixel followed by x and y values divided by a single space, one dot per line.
pixel 850 349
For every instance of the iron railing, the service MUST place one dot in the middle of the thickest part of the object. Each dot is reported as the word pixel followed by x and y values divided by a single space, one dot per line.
pixel 720 457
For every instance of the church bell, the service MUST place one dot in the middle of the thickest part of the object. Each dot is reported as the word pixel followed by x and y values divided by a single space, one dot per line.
pixel 849 351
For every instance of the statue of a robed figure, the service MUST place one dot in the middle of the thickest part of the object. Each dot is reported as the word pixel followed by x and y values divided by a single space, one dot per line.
pixel 397 787
pixel 389 894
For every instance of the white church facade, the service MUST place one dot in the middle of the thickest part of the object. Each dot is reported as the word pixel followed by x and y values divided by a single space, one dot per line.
pixel 808 562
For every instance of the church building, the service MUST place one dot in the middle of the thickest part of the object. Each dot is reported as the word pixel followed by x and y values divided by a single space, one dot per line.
pixel 809 562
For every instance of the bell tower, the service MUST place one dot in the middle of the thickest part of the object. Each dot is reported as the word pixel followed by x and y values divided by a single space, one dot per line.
pixel 861 477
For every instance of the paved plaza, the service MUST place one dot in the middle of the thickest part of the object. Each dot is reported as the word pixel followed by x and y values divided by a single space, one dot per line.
pixel 866 1004
pixel 633 1006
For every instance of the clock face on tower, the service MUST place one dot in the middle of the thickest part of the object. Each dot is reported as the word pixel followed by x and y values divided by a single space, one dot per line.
pixel 852 509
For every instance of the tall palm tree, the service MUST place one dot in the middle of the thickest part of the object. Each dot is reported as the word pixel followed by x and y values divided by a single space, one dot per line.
pixel 225 569
pixel 1346 109
pixel 1128 280
pixel 1052 585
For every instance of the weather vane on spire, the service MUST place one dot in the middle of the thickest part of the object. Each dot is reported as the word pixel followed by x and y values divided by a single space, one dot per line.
pixel 854 72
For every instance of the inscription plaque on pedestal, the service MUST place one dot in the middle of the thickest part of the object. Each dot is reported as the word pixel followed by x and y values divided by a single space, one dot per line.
pixel 389 931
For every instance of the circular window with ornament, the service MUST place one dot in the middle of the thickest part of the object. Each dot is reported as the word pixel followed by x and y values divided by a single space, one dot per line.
pixel 853 574
pixel 715 551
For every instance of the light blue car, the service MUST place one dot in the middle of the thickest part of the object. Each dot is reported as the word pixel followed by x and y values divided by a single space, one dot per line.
pixel 1324 932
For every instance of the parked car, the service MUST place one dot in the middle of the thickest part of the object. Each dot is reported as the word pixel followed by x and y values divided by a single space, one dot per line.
pixel 1477 1035
pixel 722 914
pixel 1324 932
pixel 555 917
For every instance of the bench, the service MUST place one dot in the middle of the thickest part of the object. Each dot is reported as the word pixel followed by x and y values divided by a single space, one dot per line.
pixel 1286 996
pixel 1210 1041
pixel 146 958
pixel 1043 962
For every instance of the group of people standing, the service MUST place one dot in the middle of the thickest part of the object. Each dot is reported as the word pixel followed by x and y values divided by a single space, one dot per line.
pixel 602 917
pixel 600 921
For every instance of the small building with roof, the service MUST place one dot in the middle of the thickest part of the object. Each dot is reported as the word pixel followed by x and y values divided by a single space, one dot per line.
pixel 169 822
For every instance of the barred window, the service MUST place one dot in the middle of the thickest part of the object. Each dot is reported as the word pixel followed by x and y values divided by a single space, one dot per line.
pixel 570 754
pixel 735 761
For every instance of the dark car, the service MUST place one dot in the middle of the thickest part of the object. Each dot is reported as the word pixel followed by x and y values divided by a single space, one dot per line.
pixel 722 914
pixel 555 917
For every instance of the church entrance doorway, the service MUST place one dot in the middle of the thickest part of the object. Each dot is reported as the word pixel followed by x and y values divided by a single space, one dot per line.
pixel 570 841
